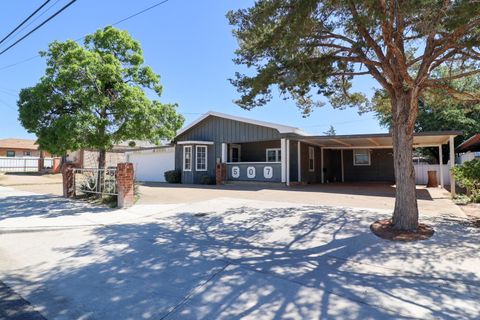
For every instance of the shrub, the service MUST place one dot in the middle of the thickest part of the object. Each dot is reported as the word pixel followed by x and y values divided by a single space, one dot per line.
pixel 467 176
pixel 207 180
pixel 173 176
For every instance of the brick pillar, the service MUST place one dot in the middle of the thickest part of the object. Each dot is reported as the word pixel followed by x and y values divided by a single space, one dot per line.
pixel 125 185
pixel 56 165
pixel 68 180
pixel 221 173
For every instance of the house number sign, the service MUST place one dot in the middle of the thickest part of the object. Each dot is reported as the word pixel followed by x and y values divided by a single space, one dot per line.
pixel 235 172
pixel 252 172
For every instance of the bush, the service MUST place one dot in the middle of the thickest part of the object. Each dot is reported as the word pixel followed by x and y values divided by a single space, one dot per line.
pixel 207 180
pixel 173 176
pixel 467 176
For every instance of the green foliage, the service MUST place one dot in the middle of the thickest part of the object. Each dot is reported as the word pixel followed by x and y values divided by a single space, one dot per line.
pixel 308 49
pixel 467 175
pixel 94 96
pixel 173 176
pixel 331 131
pixel 207 180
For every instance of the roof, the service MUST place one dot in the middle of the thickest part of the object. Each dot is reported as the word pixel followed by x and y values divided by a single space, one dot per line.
pixel 14 143
pixel 280 127
pixel 380 140
pixel 472 144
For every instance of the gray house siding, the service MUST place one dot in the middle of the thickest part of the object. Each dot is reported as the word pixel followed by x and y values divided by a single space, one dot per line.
pixel 194 176
pixel 308 176
pixel 381 168
pixel 229 131
pixel 253 139
pixel 256 151
pixel 293 160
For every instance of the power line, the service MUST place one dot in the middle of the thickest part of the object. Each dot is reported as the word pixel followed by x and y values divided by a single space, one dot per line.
pixel 24 21
pixel 113 24
pixel 39 26
pixel 31 22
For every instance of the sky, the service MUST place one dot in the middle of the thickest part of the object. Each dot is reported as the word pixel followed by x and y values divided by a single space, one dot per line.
pixel 188 43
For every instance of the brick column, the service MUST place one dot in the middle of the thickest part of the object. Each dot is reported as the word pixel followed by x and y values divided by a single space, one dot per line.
pixel 68 180
pixel 221 173
pixel 125 185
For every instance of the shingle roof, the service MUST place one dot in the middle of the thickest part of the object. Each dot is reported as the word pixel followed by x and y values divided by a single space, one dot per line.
pixel 13 143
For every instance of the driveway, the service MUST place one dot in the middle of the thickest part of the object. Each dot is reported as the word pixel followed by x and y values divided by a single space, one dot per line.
pixel 231 258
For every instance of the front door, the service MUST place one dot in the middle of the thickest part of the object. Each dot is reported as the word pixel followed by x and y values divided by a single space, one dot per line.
pixel 235 153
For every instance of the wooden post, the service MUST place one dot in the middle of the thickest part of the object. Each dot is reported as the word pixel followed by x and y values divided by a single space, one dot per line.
pixel 287 163
pixel 299 147
pixel 343 170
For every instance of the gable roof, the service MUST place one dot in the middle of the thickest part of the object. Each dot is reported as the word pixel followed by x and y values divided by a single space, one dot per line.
pixel 280 127
pixel 14 143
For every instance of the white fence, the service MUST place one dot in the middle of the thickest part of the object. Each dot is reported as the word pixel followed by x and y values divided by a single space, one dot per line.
pixel 27 164
pixel 421 173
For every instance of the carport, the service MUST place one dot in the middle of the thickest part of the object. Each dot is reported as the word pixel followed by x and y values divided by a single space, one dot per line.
pixel 359 148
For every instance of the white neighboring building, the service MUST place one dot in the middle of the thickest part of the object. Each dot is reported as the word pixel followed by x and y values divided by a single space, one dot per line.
pixel 150 164
pixel 469 149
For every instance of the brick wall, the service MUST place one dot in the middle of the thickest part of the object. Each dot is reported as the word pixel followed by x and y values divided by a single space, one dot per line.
pixel 125 183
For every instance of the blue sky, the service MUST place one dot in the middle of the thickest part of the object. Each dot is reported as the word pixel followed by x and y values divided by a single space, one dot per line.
pixel 189 43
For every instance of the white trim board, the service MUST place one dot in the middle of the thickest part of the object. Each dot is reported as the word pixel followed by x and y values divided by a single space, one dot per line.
pixel 196 142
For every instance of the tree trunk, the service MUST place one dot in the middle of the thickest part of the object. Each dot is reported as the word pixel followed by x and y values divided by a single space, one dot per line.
pixel 405 215
pixel 102 159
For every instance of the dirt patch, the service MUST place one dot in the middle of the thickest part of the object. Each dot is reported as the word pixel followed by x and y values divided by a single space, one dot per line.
pixel 384 229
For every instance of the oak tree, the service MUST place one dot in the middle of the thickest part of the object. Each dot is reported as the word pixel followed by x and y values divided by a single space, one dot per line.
pixel 312 48
pixel 95 96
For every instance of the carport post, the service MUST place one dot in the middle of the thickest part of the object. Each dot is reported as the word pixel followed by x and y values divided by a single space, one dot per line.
pixel 299 162
pixel 440 157
pixel 452 163
pixel 343 170
pixel 321 165
pixel 224 152
pixel 283 152
pixel 288 162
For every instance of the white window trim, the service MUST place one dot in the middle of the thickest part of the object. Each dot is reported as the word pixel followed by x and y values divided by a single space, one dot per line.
pixel 191 157
pixel 313 158
pixel 278 151
pixel 362 164
pixel 206 157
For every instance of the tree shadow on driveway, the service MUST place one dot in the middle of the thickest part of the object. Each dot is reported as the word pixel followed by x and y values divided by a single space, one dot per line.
pixel 293 262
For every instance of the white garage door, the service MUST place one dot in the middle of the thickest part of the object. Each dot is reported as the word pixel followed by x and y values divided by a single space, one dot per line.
pixel 151 165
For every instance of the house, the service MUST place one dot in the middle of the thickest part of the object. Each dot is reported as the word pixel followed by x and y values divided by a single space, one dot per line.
pixel 253 150
pixel 13 147
pixel 469 149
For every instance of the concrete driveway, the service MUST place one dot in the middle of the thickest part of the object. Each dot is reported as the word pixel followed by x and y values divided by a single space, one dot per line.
pixel 231 258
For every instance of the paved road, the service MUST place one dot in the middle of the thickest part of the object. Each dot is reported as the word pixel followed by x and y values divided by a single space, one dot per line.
pixel 231 258
pixel 14 307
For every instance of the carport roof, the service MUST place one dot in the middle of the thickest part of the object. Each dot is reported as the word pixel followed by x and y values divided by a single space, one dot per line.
pixel 472 144
pixel 378 140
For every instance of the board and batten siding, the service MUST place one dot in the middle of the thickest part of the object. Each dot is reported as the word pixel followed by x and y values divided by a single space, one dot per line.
pixel 218 130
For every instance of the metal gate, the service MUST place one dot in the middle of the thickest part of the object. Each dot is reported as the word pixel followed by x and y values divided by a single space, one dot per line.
pixel 95 181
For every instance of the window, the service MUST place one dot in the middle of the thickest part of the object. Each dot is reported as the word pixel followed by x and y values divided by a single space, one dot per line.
pixel 361 157
pixel 201 158
pixel 10 153
pixel 311 159
pixel 235 153
pixel 187 158
pixel 27 153
pixel 274 155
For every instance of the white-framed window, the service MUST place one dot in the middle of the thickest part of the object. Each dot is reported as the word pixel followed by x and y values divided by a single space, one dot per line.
pixel 187 158
pixel 311 159
pixel 201 158
pixel 274 155
pixel 361 157
pixel 10 153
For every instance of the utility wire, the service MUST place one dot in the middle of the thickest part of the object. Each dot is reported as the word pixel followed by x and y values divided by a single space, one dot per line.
pixel 39 26
pixel 24 21
pixel 31 22
pixel 113 24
